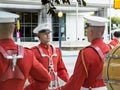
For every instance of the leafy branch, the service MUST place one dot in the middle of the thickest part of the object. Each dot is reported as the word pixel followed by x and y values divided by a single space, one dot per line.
pixel 51 8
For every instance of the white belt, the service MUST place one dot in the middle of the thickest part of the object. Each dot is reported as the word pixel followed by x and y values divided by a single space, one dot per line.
pixel 99 88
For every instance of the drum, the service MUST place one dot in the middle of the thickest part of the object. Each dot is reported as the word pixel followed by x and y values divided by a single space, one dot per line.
pixel 111 69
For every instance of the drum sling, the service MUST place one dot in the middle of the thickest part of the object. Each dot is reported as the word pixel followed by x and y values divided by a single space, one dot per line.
pixel 13 71
pixel 54 78
pixel 102 57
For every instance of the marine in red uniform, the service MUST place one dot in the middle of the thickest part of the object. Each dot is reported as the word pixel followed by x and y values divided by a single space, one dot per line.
pixel 115 40
pixel 87 73
pixel 49 56
pixel 16 62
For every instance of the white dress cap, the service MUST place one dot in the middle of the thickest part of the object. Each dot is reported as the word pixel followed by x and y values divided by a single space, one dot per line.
pixel 42 28
pixel 7 17
pixel 96 20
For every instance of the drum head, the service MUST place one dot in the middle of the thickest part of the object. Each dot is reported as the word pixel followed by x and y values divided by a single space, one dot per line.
pixel 111 69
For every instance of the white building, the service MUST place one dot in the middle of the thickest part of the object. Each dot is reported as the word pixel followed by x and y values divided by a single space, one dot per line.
pixel 71 24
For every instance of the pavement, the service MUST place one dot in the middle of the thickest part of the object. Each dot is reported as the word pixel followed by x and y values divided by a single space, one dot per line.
pixel 65 45
pixel 70 53
pixel 68 48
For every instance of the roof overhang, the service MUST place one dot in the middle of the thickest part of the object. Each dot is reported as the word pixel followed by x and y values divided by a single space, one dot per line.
pixel 35 5
pixel 38 7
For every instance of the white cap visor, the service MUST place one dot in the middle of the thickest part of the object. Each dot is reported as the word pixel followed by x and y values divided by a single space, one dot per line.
pixel 96 21
pixel 6 17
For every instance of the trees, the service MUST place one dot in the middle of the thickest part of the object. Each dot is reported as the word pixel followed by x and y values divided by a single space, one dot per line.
pixel 115 22
pixel 51 4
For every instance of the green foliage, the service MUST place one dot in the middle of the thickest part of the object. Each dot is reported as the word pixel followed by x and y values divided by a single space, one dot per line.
pixel 81 2
pixel 115 20
pixel 51 9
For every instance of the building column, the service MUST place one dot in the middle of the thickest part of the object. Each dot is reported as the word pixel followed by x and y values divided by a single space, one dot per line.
pixel 74 32
pixel 43 16
pixel 101 12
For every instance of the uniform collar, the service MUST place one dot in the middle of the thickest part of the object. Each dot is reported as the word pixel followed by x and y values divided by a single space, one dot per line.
pixel 6 41
pixel 116 40
pixel 97 40
pixel 45 45
pixel 9 43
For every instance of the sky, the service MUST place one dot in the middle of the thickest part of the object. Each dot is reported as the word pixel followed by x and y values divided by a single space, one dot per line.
pixel 114 12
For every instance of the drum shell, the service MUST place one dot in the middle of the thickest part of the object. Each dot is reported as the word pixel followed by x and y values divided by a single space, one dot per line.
pixel 111 69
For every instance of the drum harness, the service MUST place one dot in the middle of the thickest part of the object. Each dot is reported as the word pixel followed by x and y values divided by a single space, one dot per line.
pixel 13 70
pixel 54 82
pixel 102 57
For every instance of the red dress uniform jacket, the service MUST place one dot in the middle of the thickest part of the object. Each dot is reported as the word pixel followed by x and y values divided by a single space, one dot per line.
pixel 59 66
pixel 94 66
pixel 27 65
pixel 114 42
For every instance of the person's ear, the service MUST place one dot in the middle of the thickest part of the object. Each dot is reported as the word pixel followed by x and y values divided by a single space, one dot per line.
pixel 91 32
pixel 38 36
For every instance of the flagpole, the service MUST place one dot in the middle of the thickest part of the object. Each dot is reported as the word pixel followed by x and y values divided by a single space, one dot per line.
pixel 110 18
pixel 18 32
pixel 76 18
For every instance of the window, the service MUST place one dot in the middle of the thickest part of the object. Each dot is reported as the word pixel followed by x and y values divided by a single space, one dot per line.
pixel 28 21
pixel 59 24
